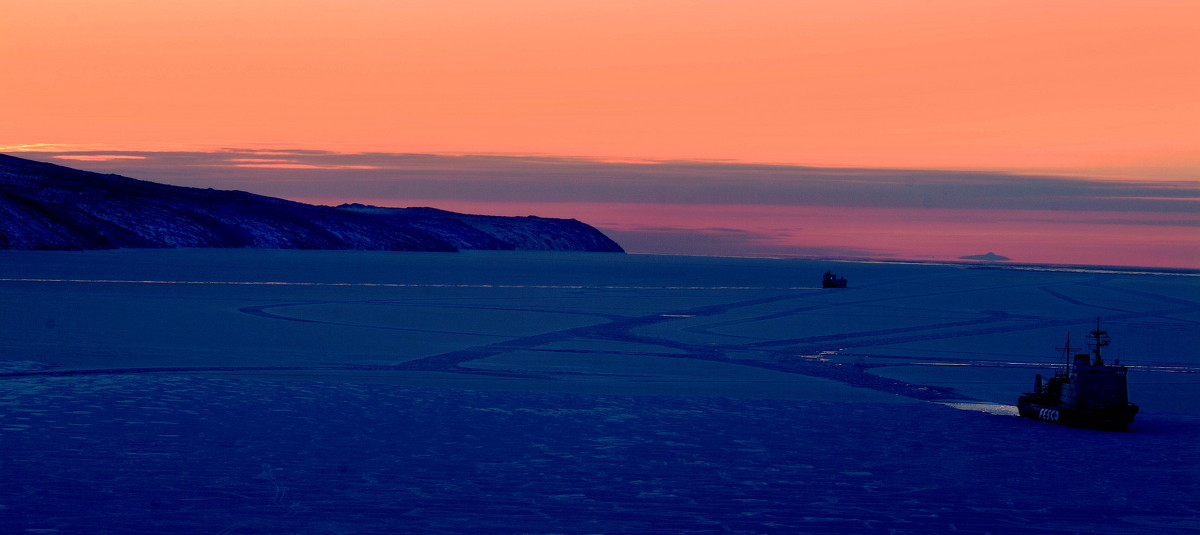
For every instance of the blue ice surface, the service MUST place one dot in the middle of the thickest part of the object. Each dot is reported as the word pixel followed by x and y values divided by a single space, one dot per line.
pixel 142 447
pixel 189 454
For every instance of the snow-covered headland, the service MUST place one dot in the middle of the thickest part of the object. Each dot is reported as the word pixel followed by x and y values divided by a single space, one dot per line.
pixel 271 391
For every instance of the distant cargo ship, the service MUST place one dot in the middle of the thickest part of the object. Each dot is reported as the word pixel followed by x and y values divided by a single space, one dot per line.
pixel 1088 393
pixel 833 281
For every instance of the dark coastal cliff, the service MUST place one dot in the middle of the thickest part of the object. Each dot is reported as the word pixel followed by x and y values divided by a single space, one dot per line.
pixel 51 207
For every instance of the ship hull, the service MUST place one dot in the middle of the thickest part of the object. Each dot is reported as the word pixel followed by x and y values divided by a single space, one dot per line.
pixel 1110 419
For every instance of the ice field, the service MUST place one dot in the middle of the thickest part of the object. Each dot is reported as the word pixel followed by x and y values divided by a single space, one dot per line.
pixel 258 391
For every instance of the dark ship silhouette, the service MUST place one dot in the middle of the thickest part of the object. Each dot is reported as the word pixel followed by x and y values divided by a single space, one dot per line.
pixel 833 281
pixel 1088 393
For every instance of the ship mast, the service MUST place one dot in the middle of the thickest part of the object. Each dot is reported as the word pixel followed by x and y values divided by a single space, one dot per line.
pixel 1067 352
pixel 1100 339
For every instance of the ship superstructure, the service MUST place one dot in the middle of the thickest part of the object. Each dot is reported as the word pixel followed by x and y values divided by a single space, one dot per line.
pixel 1087 393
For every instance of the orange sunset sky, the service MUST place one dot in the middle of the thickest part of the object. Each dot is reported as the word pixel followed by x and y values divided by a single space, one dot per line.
pixel 1100 90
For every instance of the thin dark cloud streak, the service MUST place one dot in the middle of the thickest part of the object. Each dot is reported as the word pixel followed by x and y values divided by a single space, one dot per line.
pixel 292 173
pixel 724 242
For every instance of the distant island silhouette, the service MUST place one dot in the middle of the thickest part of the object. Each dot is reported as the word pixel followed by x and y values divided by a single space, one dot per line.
pixel 989 257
